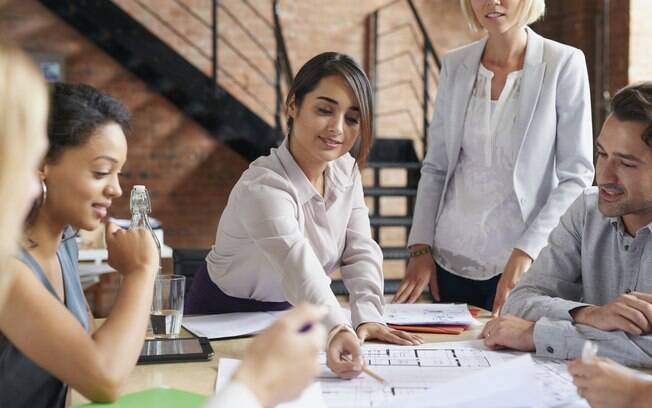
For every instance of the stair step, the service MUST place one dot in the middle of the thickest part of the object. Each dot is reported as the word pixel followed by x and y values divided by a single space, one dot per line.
pixel 393 165
pixel 390 191
pixel 395 253
pixel 390 221
pixel 393 150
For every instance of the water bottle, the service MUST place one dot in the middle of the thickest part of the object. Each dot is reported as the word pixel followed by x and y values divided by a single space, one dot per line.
pixel 140 207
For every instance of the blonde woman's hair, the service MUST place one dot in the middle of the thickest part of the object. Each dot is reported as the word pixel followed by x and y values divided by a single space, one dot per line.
pixel 23 111
pixel 531 11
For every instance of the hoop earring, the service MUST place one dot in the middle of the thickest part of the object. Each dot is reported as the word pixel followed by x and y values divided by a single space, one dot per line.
pixel 44 193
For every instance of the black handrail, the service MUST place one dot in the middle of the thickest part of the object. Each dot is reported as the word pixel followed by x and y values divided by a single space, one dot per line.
pixel 282 63
pixel 430 61
pixel 280 42
pixel 424 32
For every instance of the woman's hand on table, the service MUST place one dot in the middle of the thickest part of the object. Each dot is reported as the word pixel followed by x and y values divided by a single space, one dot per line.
pixel 282 361
pixel 385 334
pixel 519 262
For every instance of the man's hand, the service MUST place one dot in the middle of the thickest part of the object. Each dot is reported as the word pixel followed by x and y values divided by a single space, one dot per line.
pixel 631 313
pixel 509 332
pixel 518 263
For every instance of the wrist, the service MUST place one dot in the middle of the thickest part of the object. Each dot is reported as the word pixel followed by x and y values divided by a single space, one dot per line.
pixel 419 250
pixel 337 330
pixel 579 314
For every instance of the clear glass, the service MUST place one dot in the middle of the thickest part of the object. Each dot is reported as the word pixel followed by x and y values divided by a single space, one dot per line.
pixel 167 306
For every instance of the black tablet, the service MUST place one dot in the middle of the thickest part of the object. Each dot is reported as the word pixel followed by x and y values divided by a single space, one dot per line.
pixel 175 350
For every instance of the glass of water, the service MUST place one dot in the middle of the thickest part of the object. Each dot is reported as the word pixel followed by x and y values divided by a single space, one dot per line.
pixel 167 306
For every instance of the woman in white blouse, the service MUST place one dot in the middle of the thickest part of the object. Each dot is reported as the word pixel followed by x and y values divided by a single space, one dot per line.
pixel 298 215
pixel 510 148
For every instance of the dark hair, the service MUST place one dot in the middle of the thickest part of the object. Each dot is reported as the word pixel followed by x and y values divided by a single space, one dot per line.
pixel 76 111
pixel 634 103
pixel 334 63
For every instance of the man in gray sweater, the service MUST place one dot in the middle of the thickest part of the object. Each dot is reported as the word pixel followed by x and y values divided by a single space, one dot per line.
pixel 594 279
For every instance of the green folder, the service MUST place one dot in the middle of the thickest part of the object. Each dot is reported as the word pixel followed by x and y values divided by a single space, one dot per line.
pixel 155 397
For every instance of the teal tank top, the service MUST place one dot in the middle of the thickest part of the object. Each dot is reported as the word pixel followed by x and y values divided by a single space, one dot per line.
pixel 22 382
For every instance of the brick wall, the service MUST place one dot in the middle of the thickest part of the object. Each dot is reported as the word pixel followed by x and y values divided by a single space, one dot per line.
pixel 188 173
pixel 580 23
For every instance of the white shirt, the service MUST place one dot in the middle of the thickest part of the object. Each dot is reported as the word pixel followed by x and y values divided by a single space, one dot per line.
pixel 481 219
pixel 279 240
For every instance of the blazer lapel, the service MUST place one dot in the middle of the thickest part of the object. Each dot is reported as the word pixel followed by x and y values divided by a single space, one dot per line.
pixel 531 83
pixel 463 83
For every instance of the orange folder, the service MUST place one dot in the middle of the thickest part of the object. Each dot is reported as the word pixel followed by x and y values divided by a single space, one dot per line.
pixel 436 329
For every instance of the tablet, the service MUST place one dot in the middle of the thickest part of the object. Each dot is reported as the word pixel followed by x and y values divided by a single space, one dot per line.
pixel 175 350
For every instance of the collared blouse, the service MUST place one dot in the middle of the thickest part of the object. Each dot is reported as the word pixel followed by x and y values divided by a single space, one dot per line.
pixel 279 240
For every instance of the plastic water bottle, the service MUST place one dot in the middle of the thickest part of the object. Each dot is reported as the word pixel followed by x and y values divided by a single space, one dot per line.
pixel 140 207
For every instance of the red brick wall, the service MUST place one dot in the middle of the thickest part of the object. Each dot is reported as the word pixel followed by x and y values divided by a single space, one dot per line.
pixel 579 23
pixel 188 173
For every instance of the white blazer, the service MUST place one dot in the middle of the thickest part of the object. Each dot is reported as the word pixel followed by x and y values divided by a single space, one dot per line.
pixel 555 160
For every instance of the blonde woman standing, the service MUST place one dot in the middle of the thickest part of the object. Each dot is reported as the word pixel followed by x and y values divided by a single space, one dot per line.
pixel 510 148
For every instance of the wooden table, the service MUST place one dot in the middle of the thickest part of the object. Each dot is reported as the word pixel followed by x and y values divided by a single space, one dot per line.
pixel 200 377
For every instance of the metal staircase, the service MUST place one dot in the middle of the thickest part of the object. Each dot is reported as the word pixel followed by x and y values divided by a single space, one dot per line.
pixel 173 76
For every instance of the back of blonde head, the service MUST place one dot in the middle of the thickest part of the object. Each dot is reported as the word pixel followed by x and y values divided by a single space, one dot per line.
pixel 23 110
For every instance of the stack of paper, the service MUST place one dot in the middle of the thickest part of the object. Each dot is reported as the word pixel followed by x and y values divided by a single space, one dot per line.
pixel 444 318
pixel 226 325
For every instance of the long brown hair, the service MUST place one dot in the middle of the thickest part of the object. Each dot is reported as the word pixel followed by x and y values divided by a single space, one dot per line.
pixel 334 63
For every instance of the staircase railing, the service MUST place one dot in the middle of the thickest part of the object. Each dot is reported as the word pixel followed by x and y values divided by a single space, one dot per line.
pixel 277 80
pixel 425 66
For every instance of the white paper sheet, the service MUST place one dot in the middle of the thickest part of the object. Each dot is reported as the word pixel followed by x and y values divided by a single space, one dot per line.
pixel 311 396
pixel 428 314
pixel 221 326
pixel 507 385
pixel 413 369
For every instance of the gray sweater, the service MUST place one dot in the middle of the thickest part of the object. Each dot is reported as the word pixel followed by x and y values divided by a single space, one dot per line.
pixel 590 260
